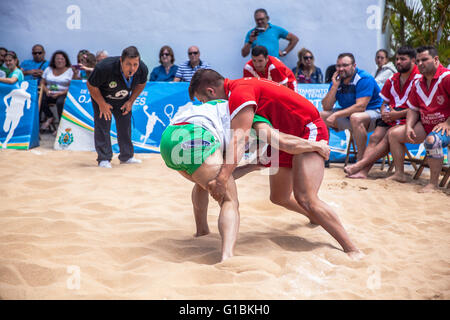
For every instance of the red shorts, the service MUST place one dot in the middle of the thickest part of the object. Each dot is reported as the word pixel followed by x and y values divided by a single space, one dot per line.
pixel 314 131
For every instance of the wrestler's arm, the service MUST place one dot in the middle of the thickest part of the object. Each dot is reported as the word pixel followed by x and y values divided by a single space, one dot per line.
pixel 289 143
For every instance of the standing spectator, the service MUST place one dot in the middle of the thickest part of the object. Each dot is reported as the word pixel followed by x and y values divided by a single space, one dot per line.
pixel 428 117
pixel 34 69
pixel 393 111
pixel 100 55
pixel 306 71
pixel 359 101
pixel 166 70
pixel 268 35
pixel 187 69
pixel 114 85
pixel 55 80
pixel 385 68
pixel 2 60
pixel 264 66
pixel 12 63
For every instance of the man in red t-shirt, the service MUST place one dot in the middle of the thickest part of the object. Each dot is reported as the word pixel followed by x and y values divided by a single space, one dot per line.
pixel 290 113
pixel 428 117
pixel 267 67
pixel 393 111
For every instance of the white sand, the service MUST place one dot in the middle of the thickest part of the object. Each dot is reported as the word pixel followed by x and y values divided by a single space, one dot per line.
pixel 128 234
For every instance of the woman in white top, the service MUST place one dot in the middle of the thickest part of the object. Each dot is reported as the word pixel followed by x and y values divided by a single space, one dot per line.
pixel 55 83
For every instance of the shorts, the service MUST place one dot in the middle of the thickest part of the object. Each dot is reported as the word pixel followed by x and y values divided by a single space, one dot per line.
pixel 185 147
pixel 314 131
pixel 381 123
pixel 344 123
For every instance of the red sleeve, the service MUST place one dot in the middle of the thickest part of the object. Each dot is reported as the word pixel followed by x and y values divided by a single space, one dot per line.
pixel 385 93
pixel 240 98
pixel 247 73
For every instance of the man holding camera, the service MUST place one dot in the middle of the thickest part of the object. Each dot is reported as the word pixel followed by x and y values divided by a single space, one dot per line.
pixel 267 35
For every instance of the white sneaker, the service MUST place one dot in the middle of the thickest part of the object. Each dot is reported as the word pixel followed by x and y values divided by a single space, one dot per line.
pixel 131 161
pixel 105 164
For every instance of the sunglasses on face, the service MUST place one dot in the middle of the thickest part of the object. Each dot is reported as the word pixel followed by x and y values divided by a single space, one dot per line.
pixel 37 52
pixel 308 57
pixel 194 52
pixel 165 55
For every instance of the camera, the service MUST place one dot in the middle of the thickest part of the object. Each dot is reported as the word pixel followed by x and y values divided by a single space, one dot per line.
pixel 259 30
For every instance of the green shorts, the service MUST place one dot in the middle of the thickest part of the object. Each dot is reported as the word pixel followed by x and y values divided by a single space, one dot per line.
pixel 185 147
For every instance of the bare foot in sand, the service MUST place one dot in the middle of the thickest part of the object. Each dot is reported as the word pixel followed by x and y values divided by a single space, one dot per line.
pixel 358 175
pixel 429 188
pixel 201 233
pixel 356 255
pixel 399 177
pixel 351 169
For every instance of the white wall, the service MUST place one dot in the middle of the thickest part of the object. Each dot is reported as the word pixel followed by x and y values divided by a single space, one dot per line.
pixel 327 27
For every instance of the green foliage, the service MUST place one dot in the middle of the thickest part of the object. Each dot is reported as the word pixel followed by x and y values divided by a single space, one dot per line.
pixel 418 23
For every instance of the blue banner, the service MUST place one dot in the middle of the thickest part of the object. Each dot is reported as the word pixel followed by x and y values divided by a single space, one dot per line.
pixel 152 112
pixel 19 115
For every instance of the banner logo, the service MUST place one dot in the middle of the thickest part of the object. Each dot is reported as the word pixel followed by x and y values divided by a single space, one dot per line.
pixel 66 138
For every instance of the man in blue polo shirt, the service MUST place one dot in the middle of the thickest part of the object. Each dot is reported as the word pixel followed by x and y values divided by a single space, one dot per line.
pixel 358 96
pixel 33 69
pixel 267 35
pixel 187 69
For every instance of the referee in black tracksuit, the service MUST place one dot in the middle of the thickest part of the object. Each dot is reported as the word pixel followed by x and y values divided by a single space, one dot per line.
pixel 114 85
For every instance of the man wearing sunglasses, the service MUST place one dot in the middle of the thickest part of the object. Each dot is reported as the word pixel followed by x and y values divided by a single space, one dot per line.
pixel 187 69
pixel 33 69
pixel 268 35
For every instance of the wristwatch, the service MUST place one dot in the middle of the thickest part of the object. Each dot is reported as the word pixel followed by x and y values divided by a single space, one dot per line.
pixel 284 52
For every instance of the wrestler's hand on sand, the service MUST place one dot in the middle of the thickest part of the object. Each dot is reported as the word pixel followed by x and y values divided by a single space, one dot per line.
pixel 323 149
pixel 217 189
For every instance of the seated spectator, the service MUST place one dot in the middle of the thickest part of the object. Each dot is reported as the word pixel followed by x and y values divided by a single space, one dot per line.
pixel 100 55
pixel 86 63
pixel 306 71
pixel 56 80
pixel 428 117
pixel 12 63
pixel 33 69
pixel 385 68
pixel 268 35
pixel 329 73
pixel 2 60
pixel 359 101
pixel 264 66
pixel 166 70
pixel 187 69
pixel 393 111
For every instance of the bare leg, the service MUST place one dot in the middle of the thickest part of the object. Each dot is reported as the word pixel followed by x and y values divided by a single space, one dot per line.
pixel 229 208
pixel 360 122
pixel 200 202
pixel 377 148
pixel 308 169
pixel 281 192
pixel 397 139
pixel 435 170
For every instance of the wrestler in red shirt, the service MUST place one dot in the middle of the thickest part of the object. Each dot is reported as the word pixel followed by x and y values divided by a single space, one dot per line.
pixel 296 183
pixel 267 67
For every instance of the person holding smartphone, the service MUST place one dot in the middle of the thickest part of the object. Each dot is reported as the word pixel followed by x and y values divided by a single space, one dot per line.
pixel 267 35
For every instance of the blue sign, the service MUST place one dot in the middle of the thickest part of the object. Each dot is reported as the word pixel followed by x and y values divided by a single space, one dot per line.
pixel 19 115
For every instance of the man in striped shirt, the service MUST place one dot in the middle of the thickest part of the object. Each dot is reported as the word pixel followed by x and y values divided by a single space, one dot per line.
pixel 264 66
pixel 187 69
